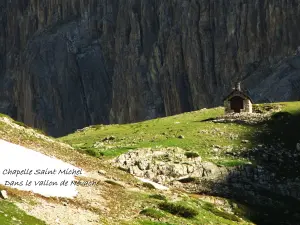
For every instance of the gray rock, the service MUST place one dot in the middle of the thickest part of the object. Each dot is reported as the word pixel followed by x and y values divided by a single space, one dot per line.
pixel 298 146
pixel 210 169
pixel 149 175
pixel 190 169
pixel 179 170
pixel 143 165
pixel 136 171
pixel 165 164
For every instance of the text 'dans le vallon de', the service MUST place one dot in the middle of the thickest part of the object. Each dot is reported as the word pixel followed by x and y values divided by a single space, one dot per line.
pixel 44 177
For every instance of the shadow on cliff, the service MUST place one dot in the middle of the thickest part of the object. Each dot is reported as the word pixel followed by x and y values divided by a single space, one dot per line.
pixel 270 187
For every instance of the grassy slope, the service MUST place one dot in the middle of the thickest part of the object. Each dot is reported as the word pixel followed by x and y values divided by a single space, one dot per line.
pixel 199 136
pixel 161 132
pixel 124 202
pixel 10 214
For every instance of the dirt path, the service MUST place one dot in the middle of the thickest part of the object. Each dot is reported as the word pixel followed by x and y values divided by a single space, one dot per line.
pixel 84 209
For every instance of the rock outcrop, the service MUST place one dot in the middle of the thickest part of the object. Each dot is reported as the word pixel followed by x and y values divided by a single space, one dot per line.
pixel 176 167
pixel 261 186
pixel 167 165
pixel 67 64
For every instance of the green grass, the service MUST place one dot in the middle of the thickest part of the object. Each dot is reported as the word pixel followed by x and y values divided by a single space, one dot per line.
pixel 200 134
pixel 162 132
pixel 210 207
pixel 179 209
pixel 267 107
pixel 190 211
pixel 3 115
pixel 115 151
pixel 158 196
pixel 154 213
pixel 10 214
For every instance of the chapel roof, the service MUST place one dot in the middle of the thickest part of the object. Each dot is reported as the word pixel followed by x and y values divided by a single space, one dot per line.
pixel 237 92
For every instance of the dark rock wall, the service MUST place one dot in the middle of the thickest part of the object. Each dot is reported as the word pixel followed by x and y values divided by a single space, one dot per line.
pixel 67 64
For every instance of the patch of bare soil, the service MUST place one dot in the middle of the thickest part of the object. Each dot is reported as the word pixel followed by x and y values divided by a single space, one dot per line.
pixel 58 214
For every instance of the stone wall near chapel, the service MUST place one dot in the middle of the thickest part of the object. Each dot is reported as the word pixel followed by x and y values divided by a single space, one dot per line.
pixel 247 106
pixel 227 107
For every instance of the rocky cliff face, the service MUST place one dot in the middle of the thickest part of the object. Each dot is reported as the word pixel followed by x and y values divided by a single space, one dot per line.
pixel 66 64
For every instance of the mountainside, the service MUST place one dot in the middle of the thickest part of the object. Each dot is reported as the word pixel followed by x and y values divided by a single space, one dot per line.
pixel 67 64
pixel 200 167
pixel 106 194
pixel 251 158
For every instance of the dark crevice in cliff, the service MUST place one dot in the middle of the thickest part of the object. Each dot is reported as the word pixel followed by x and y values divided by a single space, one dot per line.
pixel 246 28
pixel 84 96
pixel 185 94
pixel 140 28
pixel 127 34
pixel 262 25
pixel 198 38
pixel 236 50
pixel 156 20
pixel 108 75
pixel 213 62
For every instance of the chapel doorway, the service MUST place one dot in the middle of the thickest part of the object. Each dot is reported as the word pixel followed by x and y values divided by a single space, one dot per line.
pixel 236 104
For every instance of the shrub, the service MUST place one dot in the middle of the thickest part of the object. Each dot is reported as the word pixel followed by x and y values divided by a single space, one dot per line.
pixel 159 197
pixel 178 209
pixel 94 152
pixel 191 154
pixel 154 213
